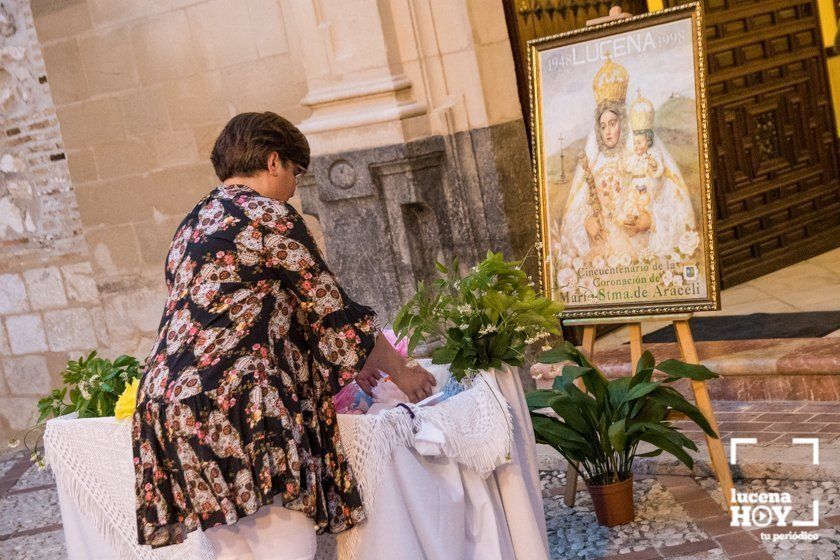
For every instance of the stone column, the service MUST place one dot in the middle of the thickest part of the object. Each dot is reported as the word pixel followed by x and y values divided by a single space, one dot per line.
pixel 417 136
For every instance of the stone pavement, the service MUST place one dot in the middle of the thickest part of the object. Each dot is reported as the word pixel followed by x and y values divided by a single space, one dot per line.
pixel 30 522
pixel 678 512
pixel 678 515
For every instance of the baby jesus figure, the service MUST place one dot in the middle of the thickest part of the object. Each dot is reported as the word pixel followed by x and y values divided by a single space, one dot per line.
pixel 643 167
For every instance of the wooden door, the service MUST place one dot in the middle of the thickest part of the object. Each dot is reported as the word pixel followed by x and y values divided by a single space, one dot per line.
pixel 774 145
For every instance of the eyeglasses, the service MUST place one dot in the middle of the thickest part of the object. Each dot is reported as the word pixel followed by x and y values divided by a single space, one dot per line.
pixel 300 171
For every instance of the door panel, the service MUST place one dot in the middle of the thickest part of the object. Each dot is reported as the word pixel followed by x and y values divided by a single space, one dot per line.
pixel 775 148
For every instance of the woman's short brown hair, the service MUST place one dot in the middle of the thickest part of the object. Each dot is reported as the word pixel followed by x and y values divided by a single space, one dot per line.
pixel 243 147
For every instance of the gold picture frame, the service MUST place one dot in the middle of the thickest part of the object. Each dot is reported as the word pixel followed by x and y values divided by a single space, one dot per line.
pixel 630 231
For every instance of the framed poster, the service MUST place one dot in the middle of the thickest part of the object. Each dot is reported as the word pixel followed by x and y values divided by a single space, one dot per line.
pixel 623 180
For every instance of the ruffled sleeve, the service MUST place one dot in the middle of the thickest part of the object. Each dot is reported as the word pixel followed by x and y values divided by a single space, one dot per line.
pixel 342 331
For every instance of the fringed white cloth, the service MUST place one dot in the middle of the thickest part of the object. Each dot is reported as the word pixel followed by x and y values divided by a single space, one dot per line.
pixel 476 428
pixel 91 459
pixel 475 425
pixel 469 501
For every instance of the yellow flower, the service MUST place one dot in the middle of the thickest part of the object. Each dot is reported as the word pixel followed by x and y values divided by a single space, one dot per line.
pixel 127 401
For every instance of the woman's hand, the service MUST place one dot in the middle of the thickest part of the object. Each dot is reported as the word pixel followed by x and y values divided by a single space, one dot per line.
pixel 414 381
pixel 367 379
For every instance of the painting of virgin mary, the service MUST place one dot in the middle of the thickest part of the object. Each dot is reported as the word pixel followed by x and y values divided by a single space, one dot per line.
pixel 622 177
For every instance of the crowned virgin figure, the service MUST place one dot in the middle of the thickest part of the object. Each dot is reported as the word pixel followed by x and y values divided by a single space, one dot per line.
pixel 627 202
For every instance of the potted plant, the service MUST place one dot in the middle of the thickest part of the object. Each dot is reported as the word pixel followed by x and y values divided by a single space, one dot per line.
pixel 602 427
pixel 480 320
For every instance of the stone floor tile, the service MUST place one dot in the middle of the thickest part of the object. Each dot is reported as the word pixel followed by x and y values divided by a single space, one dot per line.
pixel 669 481
pixel 31 510
pixel 706 507
pixel 825 437
pixel 779 406
pixel 19 466
pixel 43 546
pixel 688 493
pixel 784 417
pixel 736 406
pixel 760 437
pixel 713 554
pixel 826 417
pixel 812 427
pixel 684 549
pixel 744 426
pixel 817 407
pixel 738 543
pixel 717 525
pixel 737 416
pixel 833 428
pixel 555 491
pixel 34 477
pixel 647 554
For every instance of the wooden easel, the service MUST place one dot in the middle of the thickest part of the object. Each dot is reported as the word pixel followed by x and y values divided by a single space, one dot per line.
pixel 720 466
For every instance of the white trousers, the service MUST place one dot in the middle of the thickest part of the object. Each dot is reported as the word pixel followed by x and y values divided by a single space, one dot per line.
pixel 273 533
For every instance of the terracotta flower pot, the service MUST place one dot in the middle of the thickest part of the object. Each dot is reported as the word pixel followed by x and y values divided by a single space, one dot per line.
pixel 613 502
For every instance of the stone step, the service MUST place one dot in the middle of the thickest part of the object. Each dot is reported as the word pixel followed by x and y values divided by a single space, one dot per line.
pixel 762 369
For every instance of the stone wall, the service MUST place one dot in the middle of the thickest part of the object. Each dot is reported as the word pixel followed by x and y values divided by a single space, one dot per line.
pixel 109 111
pixel 141 90
pixel 49 302
pixel 388 213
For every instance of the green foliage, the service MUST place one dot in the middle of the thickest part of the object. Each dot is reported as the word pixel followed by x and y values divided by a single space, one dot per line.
pixel 483 319
pixel 92 384
pixel 602 427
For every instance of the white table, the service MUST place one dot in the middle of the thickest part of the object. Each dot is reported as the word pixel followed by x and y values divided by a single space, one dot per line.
pixel 467 502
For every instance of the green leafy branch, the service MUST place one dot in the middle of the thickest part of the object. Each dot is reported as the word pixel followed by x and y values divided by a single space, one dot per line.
pixel 93 385
pixel 90 387
pixel 482 319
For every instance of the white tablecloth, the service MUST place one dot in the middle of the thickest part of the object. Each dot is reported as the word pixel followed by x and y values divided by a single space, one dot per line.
pixel 467 502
